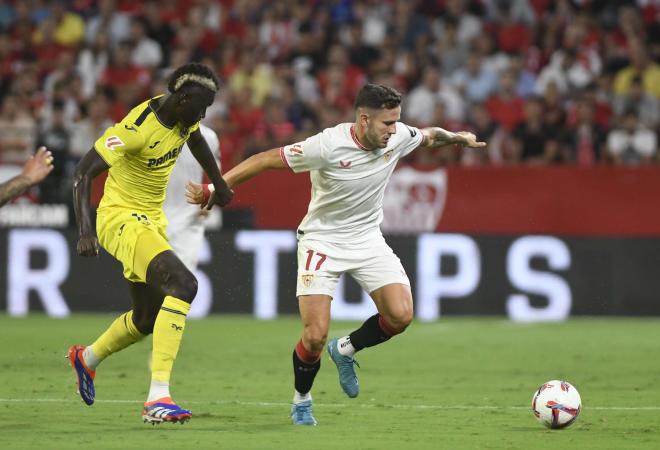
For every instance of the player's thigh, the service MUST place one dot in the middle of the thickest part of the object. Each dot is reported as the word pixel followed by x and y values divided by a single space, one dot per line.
pixel 376 265
pixel 382 275
pixel 315 316
pixel 133 239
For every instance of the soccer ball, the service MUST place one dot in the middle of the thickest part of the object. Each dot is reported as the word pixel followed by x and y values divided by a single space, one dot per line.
pixel 556 404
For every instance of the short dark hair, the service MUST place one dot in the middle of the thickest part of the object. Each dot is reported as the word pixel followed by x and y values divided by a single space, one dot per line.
pixel 377 96
pixel 193 73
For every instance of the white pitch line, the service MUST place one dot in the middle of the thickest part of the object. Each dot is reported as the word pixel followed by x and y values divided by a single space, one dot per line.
pixel 331 405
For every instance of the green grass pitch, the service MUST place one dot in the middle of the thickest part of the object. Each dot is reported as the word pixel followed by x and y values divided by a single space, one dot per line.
pixel 454 384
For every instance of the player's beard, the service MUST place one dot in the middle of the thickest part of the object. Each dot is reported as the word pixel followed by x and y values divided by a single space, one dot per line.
pixel 374 141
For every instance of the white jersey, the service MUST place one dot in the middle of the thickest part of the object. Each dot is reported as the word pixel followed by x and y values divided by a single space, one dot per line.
pixel 185 230
pixel 348 181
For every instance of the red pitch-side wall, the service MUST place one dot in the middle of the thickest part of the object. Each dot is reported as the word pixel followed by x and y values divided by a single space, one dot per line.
pixel 563 200
pixel 603 201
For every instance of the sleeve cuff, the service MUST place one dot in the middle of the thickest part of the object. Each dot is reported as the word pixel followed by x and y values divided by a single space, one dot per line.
pixel 284 160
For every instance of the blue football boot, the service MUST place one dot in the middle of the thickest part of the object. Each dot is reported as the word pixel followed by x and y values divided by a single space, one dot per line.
pixel 301 413
pixel 84 376
pixel 164 410
pixel 345 366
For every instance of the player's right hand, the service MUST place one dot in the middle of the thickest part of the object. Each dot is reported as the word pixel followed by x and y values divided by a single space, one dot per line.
pixel 39 165
pixel 88 246
pixel 469 139
pixel 220 198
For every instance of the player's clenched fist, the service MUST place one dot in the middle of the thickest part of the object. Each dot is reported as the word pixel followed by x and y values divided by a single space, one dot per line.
pixel 88 246
pixel 220 198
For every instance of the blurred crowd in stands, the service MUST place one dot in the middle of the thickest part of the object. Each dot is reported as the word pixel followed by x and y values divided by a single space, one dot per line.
pixel 542 81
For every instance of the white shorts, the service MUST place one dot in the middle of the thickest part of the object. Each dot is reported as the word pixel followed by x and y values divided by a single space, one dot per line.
pixel 372 264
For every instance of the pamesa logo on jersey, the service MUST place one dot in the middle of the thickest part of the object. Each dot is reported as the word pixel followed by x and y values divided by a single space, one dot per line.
pixel 171 155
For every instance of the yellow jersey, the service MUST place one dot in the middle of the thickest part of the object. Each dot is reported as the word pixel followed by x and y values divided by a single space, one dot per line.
pixel 141 152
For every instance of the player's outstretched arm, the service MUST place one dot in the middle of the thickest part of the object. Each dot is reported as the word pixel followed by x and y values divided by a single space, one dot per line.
pixel 202 153
pixel 35 169
pixel 439 137
pixel 199 194
pixel 89 167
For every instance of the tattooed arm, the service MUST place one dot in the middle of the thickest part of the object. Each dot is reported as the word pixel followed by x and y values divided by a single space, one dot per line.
pixel 35 170
pixel 439 137
pixel 13 188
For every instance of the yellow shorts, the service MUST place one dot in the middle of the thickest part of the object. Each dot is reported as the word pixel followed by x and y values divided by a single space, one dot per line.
pixel 133 238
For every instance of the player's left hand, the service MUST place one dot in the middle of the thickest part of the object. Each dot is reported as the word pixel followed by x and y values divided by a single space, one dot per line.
pixel 469 140
pixel 88 245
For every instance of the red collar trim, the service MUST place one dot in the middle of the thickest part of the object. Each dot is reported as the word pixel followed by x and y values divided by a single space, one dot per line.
pixel 355 139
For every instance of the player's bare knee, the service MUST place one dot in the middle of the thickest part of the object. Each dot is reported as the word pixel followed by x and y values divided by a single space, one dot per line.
pixel 406 318
pixel 183 286
pixel 316 345
pixel 168 274
pixel 399 321
pixel 314 339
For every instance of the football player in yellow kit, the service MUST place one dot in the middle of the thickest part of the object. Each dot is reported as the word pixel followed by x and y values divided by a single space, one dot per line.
pixel 139 153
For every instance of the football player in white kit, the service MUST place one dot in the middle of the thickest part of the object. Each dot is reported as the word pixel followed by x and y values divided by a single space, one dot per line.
pixel 185 230
pixel 350 165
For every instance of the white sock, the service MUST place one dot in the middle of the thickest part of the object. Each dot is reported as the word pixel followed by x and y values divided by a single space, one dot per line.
pixel 158 389
pixel 345 347
pixel 298 397
pixel 90 358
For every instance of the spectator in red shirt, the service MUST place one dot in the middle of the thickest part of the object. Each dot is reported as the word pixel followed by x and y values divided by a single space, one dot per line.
pixel 341 80
pixel 129 81
pixel 275 127
pixel 602 109
pixel 236 22
pixel 505 107
pixel 208 38
pixel 618 42
pixel 243 113
pixel 514 37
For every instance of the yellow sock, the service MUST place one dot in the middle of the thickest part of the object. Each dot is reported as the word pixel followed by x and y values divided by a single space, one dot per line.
pixel 119 335
pixel 168 331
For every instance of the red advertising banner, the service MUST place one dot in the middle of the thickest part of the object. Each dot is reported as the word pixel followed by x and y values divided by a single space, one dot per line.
pixel 602 201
